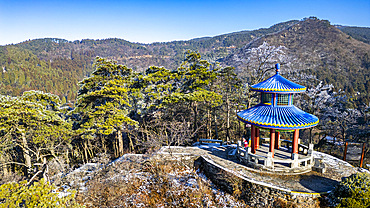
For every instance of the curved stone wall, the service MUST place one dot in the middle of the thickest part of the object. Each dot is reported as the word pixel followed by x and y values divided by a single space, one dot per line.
pixel 254 193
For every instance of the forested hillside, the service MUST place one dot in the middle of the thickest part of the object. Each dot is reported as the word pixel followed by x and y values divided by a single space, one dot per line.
pixel 359 33
pixel 56 65
pixel 141 56
pixel 120 110
pixel 22 70
pixel 319 52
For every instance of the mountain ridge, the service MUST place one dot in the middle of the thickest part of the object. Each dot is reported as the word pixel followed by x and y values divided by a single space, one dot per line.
pixel 65 57
pixel 322 50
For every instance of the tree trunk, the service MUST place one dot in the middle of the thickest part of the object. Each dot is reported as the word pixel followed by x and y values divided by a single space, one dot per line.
pixel 321 142
pixel 227 118
pixel 45 168
pixel 344 135
pixel 195 109
pixel 131 143
pixel 145 130
pixel 216 132
pixel 120 142
pixel 85 151
pixel 4 167
pixel 27 156
pixel 90 150
pixel 67 157
pixel 115 145
pixel 209 125
pixel 104 146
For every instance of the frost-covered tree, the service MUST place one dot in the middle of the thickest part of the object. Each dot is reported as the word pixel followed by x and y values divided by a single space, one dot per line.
pixel 314 100
pixel 102 106
pixel 153 88
pixel 338 118
pixel 193 85
pixel 257 63
pixel 31 130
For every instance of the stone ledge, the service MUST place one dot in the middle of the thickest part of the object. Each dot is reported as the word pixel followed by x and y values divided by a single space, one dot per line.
pixel 254 193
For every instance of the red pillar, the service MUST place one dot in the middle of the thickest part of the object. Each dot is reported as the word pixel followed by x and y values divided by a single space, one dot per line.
pixel 257 138
pixel 272 141
pixel 277 136
pixel 362 155
pixel 295 141
pixel 253 134
pixel 345 151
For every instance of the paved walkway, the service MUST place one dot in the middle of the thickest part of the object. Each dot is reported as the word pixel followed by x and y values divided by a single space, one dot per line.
pixel 311 182
pixel 281 153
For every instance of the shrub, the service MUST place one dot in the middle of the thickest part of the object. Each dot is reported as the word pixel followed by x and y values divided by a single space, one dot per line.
pixel 354 191
pixel 39 194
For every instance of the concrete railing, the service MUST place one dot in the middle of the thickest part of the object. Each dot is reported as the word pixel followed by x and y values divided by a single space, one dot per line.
pixel 210 140
pixel 305 162
pixel 248 158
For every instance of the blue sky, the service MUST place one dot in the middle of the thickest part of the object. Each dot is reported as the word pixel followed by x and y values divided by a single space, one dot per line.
pixel 160 21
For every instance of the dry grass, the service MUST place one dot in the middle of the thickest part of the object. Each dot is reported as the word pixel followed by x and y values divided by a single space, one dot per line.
pixel 153 184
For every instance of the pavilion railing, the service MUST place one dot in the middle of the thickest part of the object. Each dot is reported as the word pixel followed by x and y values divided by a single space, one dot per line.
pixel 248 158
pixel 302 149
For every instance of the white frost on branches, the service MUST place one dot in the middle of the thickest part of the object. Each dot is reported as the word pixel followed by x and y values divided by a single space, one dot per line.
pixel 317 98
pixel 257 62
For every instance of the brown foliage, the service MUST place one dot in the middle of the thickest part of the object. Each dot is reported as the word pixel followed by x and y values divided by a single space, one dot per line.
pixel 151 184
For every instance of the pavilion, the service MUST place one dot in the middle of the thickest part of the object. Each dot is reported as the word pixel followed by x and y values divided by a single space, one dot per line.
pixel 276 113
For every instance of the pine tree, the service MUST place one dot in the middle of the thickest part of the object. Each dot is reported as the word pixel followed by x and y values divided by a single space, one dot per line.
pixel 102 105
pixel 32 122
pixel 193 82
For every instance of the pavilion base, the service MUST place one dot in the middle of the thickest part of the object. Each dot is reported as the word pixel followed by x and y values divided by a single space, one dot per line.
pixel 282 161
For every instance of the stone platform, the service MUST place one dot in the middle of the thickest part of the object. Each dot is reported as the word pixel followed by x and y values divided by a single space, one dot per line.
pixel 283 161
pixel 310 183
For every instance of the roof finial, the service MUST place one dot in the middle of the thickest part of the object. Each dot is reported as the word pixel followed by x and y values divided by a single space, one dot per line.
pixel 277 67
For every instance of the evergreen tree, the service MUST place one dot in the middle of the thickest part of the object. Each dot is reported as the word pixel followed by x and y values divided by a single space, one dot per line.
pixel 32 123
pixel 193 84
pixel 102 105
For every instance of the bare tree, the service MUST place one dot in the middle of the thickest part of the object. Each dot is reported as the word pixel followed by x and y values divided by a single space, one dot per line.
pixel 161 132
pixel 315 99
pixel 257 63
pixel 339 118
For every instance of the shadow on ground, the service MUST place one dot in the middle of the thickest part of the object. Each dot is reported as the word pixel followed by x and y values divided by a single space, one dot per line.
pixel 317 183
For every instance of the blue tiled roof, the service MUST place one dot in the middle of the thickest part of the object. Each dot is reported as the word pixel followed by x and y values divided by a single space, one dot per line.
pixel 278 83
pixel 278 117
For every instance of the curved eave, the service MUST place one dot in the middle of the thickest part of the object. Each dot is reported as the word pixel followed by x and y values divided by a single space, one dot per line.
pixel 280 91
pixel 281 117
pixel 278 84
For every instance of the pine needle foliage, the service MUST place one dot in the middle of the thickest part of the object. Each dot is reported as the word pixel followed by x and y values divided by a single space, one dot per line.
pixel 39 194
pixel 31 129
pixel 354 191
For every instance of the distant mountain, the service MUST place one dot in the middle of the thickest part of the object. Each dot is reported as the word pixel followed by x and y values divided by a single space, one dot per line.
pixel 320 49
pixel 141 56
pixel 358 33
pixel 22 70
